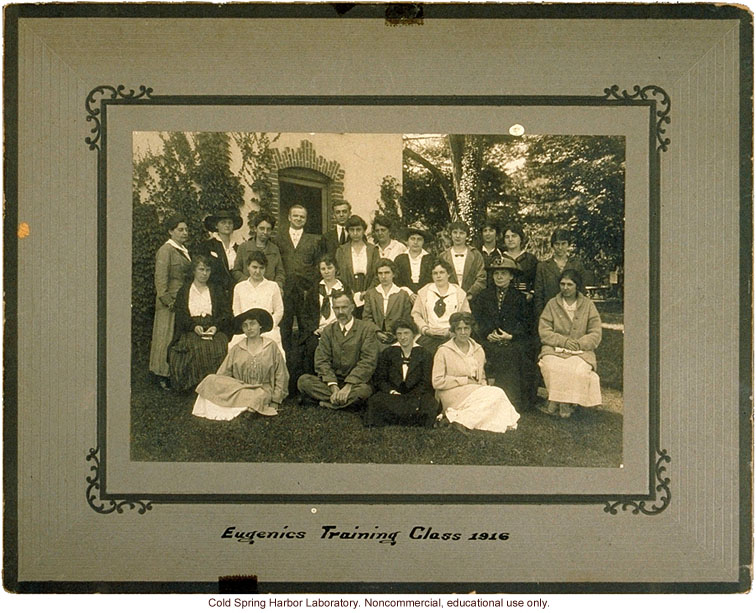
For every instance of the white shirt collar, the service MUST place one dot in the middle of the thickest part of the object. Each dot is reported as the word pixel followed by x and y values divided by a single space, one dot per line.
pixel 294 232
pixel 422 253
pixel 392 290
pixel 347 327
pixel 181 248
pixel 336 285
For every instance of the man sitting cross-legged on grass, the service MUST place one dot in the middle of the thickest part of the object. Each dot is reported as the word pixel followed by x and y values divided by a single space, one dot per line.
pixel 345 359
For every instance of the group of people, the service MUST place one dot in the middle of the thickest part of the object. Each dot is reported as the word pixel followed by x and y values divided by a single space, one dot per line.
pixel 384 327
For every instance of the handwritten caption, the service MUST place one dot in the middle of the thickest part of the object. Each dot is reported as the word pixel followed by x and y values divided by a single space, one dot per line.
pixel 387 537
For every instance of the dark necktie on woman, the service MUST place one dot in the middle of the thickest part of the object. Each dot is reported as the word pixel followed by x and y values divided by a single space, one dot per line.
pixel 440 307
pixel 325 308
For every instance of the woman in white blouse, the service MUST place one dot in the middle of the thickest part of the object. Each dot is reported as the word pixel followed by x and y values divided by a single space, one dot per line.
pixel 388 247
pixel 259 292
pixel 435 304
pixel 356 261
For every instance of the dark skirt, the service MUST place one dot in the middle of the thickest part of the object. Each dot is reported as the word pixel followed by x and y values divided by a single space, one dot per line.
pixel 385 409
pixel 192 358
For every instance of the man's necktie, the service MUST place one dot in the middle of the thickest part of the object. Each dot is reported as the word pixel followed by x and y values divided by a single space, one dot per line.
pixel 343 237
pixel 459 255
pixel 440 307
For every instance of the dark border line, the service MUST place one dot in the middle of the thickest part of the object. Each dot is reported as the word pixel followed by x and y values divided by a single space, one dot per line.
pixel 379 11
pixel 10 304
pixel 382 589
pixel 346 498
pixel 745 375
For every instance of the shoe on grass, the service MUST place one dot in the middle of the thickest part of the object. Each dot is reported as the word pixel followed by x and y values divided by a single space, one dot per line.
pixel 550 409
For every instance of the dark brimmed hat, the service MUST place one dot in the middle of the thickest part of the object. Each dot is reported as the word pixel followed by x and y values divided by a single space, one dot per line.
pixel 418 227
pixel 504 263
pixel 261 316
pixel 211 221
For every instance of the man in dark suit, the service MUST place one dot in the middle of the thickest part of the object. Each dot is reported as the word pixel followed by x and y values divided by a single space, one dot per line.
pixel 222 250
pixel 338 235
pixel 345 359
pixel 300 252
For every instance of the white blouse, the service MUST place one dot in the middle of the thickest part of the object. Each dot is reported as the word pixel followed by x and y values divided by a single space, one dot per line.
pixel 200 303
pixel 266 295
pixel 359 260
pixel 434 321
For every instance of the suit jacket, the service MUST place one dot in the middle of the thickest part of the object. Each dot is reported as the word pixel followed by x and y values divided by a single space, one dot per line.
pixel 346 272
pixel 474 273
pixel 351 358
pixel 399 307
pixel 221 315
pixel 546 284
pixel 300 263
pixel 388 374
pixel 512 317
pixel 220 275
pixel 331 242
pixel 404 272
pixel 274 269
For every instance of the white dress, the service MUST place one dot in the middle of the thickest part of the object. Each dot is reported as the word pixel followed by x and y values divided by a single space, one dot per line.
pixel 266 295
pixel 460 383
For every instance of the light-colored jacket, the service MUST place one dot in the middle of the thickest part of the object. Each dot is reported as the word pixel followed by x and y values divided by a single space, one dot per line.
pixel 555 327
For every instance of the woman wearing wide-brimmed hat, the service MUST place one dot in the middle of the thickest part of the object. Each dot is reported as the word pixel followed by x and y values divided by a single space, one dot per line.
pixel 221 248
pixel 253 377
pixel 503 315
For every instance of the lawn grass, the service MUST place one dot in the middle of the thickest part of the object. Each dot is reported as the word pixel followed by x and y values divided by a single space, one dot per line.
pixel 163 429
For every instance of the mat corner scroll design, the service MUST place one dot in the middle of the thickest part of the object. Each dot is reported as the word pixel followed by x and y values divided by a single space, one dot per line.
pixel 662 488
pixel 652 93
pixel 93 105
pixel 108 505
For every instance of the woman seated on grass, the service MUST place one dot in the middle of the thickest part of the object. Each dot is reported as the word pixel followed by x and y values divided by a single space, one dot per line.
pixel 570 331
pixel 203 321
pixel 253 377
pixel 403 382
pixel 460 382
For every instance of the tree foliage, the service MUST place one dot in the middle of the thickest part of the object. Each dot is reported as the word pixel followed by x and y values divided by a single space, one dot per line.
pixel 257 166
pixel 541 182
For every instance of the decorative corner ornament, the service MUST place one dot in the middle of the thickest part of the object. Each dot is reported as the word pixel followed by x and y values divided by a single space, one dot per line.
pixel 94 112
pixel 649 93
pixel 108 506
pixel 662 487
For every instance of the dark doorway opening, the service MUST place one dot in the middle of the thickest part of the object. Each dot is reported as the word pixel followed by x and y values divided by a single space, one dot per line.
pixel 307 188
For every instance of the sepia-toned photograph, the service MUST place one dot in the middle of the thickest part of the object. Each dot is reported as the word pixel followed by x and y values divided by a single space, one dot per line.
pixel 378 298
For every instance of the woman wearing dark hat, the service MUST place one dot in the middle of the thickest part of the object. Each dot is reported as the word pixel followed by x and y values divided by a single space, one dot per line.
pixel 356 261
pixel 203 321
pixel 503 315
pixel 172 266
pixel 413 268
pixel 221 248
pixel 253 377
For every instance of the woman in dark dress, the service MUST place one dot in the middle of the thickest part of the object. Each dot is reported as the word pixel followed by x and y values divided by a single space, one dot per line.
pixel 502 314
pixel 403 382
pixel 200 338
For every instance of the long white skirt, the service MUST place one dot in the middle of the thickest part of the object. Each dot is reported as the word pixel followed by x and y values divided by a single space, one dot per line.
pixel 571 380
pixel 479 407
